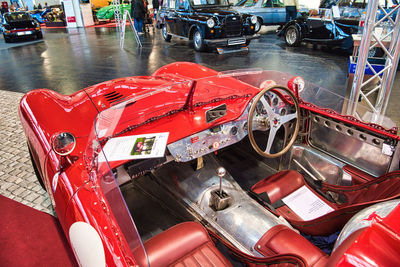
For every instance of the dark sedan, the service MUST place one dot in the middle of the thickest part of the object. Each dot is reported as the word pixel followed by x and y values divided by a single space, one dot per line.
pixel 208 23
pixel 16 25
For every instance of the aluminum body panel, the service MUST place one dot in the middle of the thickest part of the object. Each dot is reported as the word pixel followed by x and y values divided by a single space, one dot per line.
pixel 355 147
pixel 321 166
pixel 243 222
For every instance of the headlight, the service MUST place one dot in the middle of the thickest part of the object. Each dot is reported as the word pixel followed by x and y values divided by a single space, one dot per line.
pixel 210 23
pixel 253 19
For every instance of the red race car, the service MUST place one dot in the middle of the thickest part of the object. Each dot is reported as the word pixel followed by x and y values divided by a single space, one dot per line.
pixel 241 168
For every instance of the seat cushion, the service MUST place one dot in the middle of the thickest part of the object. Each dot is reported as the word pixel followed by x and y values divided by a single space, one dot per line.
pixel 280 239
pixel 355 198
pixel 186 244
pixel 279 184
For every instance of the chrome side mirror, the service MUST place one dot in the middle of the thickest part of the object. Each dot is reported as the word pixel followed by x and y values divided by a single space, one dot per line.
pixel 63 143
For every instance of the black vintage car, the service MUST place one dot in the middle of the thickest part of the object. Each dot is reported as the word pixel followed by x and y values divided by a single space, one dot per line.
pixel 320 27
pixel 18 25
pixel 207 23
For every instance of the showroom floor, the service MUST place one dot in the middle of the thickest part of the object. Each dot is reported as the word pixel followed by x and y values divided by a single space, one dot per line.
pixel 69 60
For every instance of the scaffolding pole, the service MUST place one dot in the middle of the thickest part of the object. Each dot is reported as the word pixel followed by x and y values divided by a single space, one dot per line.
pixel 377 32
pixel 117 14
pixel 126 16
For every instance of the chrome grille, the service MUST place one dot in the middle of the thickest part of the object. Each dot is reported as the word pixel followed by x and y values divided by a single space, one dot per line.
pixel 233 26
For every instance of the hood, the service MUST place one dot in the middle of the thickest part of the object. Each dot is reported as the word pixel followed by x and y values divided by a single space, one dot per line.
pixel 216 11
pixel 111 93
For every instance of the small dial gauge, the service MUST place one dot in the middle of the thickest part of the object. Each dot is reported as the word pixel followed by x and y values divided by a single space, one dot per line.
pixel 234 130
pixel 260 109
pixel 275 101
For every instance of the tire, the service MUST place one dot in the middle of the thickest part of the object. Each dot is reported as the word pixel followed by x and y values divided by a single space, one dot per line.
pixel 258 25
pixel 164 32
pixel 292 36
pixel 37 173
pixel 198 41
pixel 7 39
pixel 39 35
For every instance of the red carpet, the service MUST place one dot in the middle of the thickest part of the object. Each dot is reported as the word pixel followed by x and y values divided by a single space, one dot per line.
pixel 107 25
pixel 29 237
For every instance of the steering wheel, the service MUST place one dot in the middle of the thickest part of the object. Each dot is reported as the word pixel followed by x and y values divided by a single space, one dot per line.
pixel 273 120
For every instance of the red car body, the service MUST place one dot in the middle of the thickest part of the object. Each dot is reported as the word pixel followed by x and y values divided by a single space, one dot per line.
pixel 76 197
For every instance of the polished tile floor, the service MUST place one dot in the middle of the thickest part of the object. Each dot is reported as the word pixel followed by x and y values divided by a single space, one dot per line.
pixel 69 60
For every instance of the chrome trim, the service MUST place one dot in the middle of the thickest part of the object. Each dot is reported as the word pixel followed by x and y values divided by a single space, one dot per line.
pixel 236 41
pixel 225 40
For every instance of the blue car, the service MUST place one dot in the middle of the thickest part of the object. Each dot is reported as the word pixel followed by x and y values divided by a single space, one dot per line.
pixel 39 15
pixel 268 12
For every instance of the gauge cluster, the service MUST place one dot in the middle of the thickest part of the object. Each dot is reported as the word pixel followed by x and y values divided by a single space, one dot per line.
pixel 209 140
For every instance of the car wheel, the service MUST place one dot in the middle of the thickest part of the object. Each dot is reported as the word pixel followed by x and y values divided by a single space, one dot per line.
pixel 258 25
pixel 198 41
pixel 164 32
pixel 7 39
pixel 39 35
pixel 292 36
pixel 37 173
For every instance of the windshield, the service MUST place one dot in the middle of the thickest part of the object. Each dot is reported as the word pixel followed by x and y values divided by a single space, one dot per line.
pixel 14 17
pixel 211 3
pixel 149 120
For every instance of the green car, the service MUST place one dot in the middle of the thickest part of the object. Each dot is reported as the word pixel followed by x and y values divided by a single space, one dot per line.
pixel 107 12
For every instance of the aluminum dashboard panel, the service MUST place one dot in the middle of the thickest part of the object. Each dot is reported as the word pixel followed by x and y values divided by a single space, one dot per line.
pixel 210 140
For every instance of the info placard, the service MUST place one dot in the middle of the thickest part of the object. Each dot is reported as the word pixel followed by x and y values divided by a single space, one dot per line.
pixel 306 204
pixel 135 147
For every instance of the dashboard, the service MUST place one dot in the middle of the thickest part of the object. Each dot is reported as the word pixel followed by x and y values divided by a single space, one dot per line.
pixel 209 140
pixel 223 135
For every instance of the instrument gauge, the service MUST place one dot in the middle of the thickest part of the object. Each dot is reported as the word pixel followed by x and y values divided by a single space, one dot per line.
pixel 275 101
pixel 234 130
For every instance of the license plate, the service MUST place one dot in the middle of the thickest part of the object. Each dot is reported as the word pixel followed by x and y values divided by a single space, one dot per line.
pixel 236 41
pixel 24 33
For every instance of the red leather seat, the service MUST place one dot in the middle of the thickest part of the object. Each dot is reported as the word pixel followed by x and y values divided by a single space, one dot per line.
pixel 280 239
pixel 186 244
pixel 352 198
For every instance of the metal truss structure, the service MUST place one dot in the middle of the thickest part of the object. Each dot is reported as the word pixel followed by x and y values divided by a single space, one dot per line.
pixel 382 32
pixel 126 16
pixel 117 14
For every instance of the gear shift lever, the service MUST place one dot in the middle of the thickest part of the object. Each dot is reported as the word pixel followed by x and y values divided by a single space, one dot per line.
pixel 221 173
pixel 219 199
